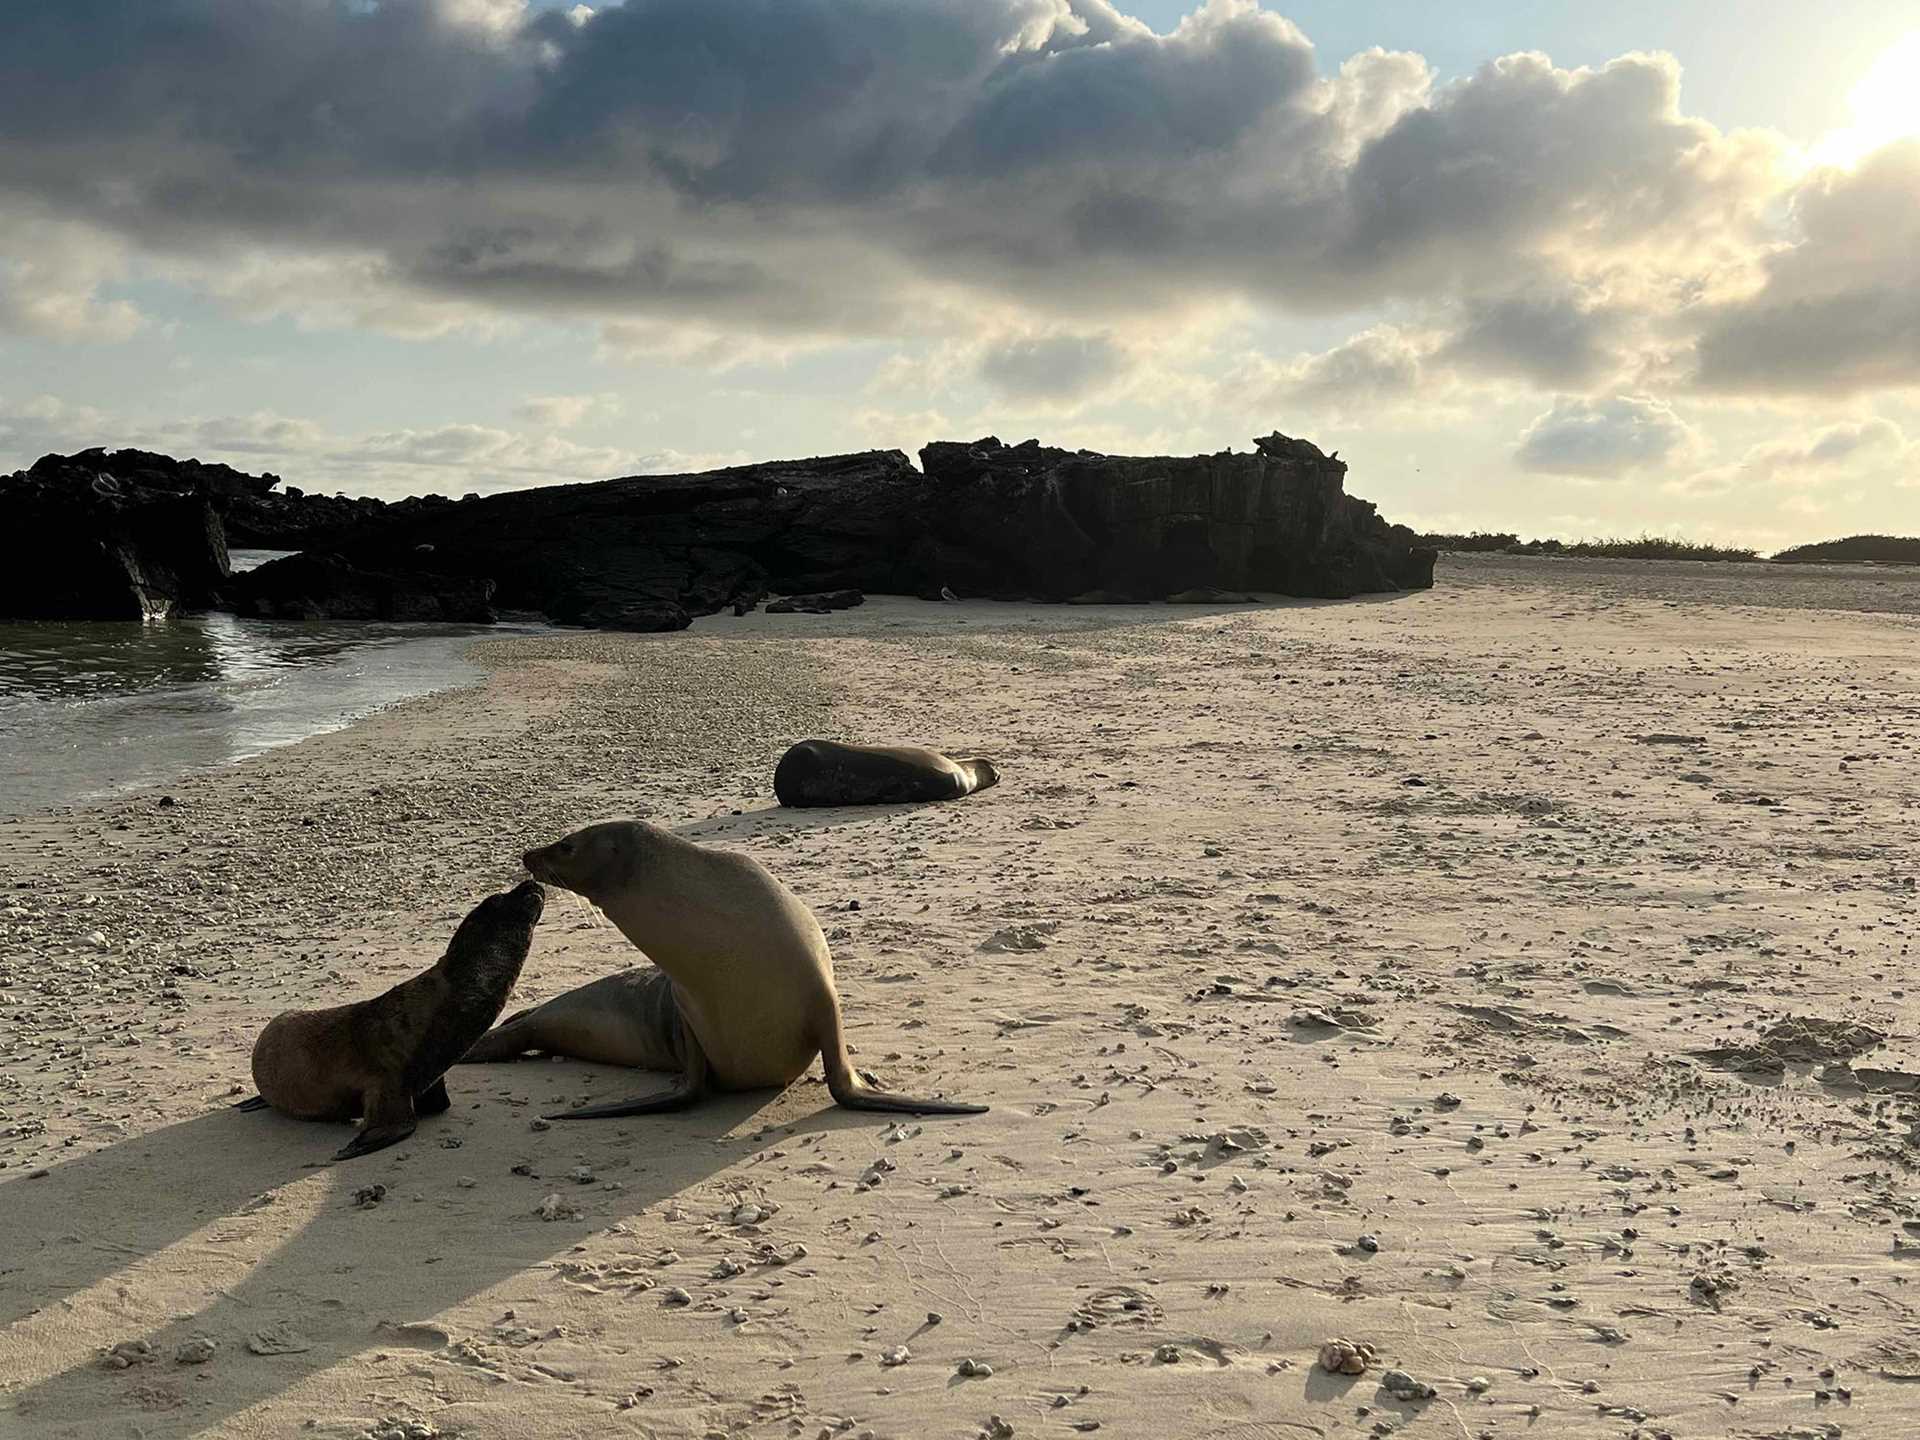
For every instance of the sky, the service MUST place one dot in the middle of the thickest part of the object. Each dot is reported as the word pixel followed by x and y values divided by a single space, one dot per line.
pixel 1563 269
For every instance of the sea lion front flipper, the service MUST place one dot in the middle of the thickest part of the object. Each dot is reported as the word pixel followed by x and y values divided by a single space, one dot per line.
pixel 256 1102
pixel 678 1098
pixel 695 1081
pixel 389 1120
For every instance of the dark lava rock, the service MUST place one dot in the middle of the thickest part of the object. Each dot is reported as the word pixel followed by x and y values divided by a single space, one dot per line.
pixel 1016 522
pixel 1035 522
pixel 253 509
pixel 640 615
pixel 1023 522
pixel 581 554
pixel 326 587
pixel 293 519
pixel 150 470
pixel 81 544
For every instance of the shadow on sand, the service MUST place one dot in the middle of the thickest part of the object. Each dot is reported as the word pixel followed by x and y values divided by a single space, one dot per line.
pixel 773 819
pixel 430 1244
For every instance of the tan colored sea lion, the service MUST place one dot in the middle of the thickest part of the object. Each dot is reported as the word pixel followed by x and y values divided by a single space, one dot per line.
pixel 743 997
pixel 383 1059
pixel 827 772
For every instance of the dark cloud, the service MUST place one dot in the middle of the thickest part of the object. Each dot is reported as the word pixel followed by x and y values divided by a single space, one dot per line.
pixel 1839 313
pixel 1139 100
pixel 1522 153
pixel 1552 341
pixel 1603 439
pixel 848 167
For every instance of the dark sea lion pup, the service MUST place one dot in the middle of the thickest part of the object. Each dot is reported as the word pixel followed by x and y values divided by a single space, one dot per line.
pixel 383 1059
pixel 743 997
pixel 826 772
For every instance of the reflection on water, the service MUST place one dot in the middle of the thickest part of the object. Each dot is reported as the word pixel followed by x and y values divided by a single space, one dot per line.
pixel 90 708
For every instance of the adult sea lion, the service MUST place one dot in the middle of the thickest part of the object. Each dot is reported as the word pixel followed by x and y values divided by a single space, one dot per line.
pixel 383 1059
pixel 827 772
pixel 743 996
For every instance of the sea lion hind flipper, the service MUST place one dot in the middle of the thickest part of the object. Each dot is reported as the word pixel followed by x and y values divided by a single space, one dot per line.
pixel 251 1103
pixel 502 1042
pixel 389 1120
pixel 984 773
pixel 433 1100
pixel 678 1098
pixel 861 1090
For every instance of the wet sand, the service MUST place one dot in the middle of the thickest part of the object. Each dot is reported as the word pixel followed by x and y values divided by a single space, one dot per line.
pixel 1513 978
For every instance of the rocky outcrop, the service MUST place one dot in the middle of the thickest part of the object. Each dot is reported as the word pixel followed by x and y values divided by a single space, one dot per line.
pixel 255 511
pixel 985 519
pixel 1030 521
pixel 978 519
pixel 291 519
pixel 150 470
pixel 618 552
pixel 84 545
pixel 326 587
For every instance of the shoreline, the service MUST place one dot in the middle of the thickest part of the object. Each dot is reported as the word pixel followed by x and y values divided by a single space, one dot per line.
pixel 139 711
pixel 1209 952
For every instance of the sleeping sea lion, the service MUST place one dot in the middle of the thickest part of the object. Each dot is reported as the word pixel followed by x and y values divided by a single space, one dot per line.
pixel 383 1059
pixel 827 772
pixel 743 996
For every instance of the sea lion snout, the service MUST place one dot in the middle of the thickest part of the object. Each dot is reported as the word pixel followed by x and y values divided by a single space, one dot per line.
pixel 527 901
pixel 545 862
pixel 531 896
pixel 587 861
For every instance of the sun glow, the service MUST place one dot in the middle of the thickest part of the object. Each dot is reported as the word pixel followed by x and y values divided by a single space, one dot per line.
pixel 1885 106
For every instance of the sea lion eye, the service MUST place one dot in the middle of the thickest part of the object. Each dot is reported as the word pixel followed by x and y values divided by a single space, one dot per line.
pixel 566 847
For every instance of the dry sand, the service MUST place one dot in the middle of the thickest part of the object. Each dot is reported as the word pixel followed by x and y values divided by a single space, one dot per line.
pixel 1409 971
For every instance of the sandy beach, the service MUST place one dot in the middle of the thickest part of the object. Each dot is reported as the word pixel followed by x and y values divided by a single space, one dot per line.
pixel 1515 978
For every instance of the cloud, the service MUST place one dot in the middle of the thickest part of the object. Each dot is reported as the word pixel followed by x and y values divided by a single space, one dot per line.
pixel 1838 444
pixel 1553 341
pixel 562 412
pixel 1875 450
pixel 833 167
pixel 728 184
pixel 1051 367
pixel 27 426
pixel 1380 367
pixel 1604 439
pixel 453 458
pixel 51 276
pixel 1839 311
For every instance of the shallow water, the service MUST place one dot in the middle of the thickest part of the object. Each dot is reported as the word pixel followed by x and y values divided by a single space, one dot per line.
pixel 89 708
